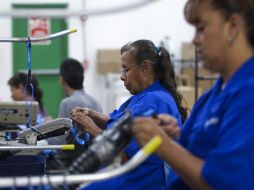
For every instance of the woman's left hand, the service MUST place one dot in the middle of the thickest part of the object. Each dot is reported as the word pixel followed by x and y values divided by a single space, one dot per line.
pixel 164 125
pixel 144 129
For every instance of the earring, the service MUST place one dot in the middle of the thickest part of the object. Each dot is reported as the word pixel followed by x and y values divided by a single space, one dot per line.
pixel 230 39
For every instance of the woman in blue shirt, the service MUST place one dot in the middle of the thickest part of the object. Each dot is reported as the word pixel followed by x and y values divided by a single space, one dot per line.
pixel 149 76
pixel 215 149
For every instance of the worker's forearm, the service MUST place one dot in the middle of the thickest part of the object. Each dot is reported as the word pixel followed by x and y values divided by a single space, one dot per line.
pixel 186 165
pixel 94 131
pixel 99 119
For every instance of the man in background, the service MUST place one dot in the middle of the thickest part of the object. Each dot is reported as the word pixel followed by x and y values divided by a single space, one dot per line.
pixel 71 79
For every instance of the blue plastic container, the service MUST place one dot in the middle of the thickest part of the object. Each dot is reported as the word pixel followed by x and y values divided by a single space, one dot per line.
pixel 22 165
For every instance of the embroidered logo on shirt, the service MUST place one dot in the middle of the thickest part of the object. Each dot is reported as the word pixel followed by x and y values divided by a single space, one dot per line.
pixel 211 121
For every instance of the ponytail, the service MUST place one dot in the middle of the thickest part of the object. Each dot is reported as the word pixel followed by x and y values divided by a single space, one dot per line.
pixel 166 76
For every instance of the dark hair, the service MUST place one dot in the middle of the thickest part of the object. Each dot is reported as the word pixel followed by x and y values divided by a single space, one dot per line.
pixel 73 73
pixel 227 7
pixel 21 79
pixel 163 68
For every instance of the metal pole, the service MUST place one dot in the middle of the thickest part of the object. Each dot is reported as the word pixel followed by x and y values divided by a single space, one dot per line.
pixel 37 39
pixel 135 161
pixel 37 147
pixel 84 44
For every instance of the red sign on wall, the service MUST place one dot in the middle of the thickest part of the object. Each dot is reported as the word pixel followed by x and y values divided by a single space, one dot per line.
pixel 39 27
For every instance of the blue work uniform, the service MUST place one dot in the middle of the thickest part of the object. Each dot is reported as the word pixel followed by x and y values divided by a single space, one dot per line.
pixel 220 131
pixel 150 174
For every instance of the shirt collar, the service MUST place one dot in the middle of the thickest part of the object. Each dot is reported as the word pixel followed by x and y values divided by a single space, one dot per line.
pixel 246 71
pixel 152 87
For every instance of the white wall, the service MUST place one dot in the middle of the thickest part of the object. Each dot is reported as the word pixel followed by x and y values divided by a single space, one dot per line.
pixel 154 21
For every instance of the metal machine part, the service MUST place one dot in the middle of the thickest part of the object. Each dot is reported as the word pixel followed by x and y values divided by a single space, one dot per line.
pixel 31 135
pixel 17 112
pixel 52 128
pixel 105 147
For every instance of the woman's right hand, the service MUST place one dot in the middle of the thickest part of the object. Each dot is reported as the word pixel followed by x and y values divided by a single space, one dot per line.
pixel 85 111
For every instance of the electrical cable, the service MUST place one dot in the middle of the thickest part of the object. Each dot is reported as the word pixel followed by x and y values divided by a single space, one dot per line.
pixel 29 83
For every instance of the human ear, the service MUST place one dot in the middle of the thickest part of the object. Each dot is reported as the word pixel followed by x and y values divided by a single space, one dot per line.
pixel 62 81
pixel 235 24
pixel 146 66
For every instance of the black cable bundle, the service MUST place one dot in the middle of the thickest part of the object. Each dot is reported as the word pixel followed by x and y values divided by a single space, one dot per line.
pixel 5 154
pixel 105 147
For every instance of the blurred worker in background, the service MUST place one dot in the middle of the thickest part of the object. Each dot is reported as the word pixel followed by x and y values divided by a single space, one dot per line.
pixel 17 84
pixel 215 149
pixel 71 79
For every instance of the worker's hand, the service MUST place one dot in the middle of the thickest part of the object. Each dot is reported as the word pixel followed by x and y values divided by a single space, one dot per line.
pixel 85 111
pixel 145 128
pixel 170 125
pixel 85 123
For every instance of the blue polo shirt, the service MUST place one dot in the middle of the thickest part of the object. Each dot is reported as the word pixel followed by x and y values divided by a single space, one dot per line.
pixel 150 174
pixel 220 130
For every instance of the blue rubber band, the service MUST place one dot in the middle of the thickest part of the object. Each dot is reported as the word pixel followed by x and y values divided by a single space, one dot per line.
pixel 81 141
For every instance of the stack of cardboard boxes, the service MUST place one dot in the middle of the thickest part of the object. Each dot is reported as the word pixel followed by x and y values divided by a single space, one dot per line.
pixel 186 80
pixel 108 61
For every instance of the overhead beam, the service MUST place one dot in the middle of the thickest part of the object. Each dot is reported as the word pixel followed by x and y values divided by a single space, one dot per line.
pixel 60 13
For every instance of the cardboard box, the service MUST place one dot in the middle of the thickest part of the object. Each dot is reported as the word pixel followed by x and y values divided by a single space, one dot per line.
pixel 108 61
pixel 188 93
pixel 203 84
pixel 183 80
